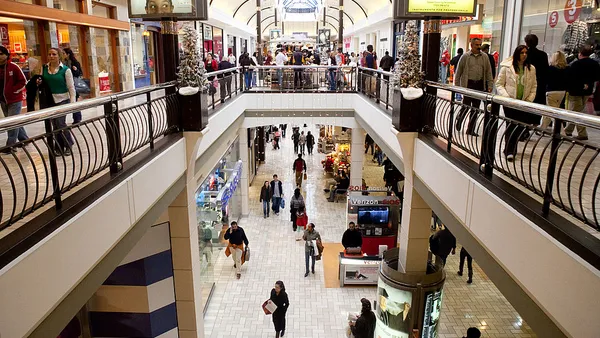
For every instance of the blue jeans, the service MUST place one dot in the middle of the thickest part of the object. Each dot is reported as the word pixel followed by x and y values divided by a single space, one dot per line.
pixel 266 208
pixel 248 79
pixel 307 256
pixel 379 157
pixel 443 73
pixel 254 79
pixel 276 204
pixel 332 80
pixel 280 77
pixel 64 139
pixel 13 109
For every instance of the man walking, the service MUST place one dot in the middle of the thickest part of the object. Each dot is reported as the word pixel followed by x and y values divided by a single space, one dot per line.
pixel 582 75
pixel 237 238
pixel 310 142
pixel 464 254
pixel 371 82
pixel 456 58
pixel 486 49
pixel 12 84
pixel 297 61
pixel 369 143
pixel 538 59
pixel 299 168
pixel 302 142
pixel 280 60
pixel 386 62
pixel 474 72
pixel 296 139
pixel 225 79
pixel 442 243
pixel 310 250
pixel 276 193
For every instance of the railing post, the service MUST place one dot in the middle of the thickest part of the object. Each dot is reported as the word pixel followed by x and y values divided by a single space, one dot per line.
pixel 451 122
pixel 488 137
pixel 556 139
pixel 53 167
pixel 113 135
pixel 150 122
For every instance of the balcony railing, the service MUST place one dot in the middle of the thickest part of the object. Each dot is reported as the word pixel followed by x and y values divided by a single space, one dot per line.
pixel 504 135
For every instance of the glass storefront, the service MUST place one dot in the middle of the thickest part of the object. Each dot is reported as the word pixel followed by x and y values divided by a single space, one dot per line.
pixel 217 43
pixel 145 55
pixel 104 60
pixel 561 25
pixel 218 203
pixel 20 37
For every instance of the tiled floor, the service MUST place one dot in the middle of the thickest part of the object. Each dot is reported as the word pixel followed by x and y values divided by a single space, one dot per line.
pixel 235 308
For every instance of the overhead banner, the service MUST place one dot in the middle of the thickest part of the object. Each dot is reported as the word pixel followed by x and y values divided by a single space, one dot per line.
pixel 442 6
pixel 168 9
pixel 323 37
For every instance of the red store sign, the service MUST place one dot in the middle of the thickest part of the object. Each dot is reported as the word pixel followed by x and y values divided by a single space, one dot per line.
pixel 553 19
pixel 572 10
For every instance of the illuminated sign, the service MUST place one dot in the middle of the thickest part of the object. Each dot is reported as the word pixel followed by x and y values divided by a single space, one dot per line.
pixel 443 7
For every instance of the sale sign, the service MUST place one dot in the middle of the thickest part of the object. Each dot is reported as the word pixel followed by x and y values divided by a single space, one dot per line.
pixel 553 19
pixel 572 10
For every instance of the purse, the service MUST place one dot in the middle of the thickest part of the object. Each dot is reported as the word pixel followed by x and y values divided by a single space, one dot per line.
pixel 81 87
pixel 305 176
pixel 247 253
pixel 282 204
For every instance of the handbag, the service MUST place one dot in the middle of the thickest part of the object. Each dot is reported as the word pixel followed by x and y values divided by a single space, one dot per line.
pixel 305 176
pixel 247 253
pixel 81 87
pixel 267 306
pixel 282 204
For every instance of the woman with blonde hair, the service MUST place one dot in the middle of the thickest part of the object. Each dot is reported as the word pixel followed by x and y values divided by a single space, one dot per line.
pixel 556 84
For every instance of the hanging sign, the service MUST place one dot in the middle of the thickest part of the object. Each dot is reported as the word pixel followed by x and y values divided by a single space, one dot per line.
pixel 553 19
pixel 4 35
pixel 572 10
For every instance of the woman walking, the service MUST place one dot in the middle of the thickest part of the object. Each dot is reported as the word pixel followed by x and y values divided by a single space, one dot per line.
pixel 75 67
pixel 516 80
pixel 556 84
pixel 310 142
pixel 280 298
pixel 364 327
pixel 60 80
pixel 296 203
pixel 265 198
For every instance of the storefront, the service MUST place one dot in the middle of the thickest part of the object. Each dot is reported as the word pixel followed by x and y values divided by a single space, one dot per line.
pixel 218 203
pixel 212 40
pixel 335 143
pixel 231 45
pixel 146 57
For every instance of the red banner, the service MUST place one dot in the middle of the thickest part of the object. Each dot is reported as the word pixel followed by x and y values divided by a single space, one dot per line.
pixel 4 35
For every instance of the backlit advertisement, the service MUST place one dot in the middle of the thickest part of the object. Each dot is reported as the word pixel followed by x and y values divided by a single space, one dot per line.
pixel 431 318
pixel 463 7
pixel 394 312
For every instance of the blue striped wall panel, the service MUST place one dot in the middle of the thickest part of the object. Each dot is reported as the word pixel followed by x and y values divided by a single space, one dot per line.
pixel 143 272
pixel 133 325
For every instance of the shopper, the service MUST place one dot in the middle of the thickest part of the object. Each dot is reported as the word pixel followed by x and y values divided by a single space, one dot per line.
pixel 12 85
pixel 486 49
pixel 280 60
pixel 474 72
pixel 276 194
pixel 255 73
pixel 539 60
pixel 378 156
pixel 265 198
pixel 386 62
pixel 225 79
pixel 369 143
pixel 352 237
pixel 583 73
pixel 456 58
pixel 237 238
pixel 299 169
pixel 231 59
pixel 364 327
pixel 310 142
pixel 332 71
pixel 296 203
pixel 340 188
pixel 556 84
pixel 75 66
pixel 280 298
pixel 276 138
pixel 473 332
pixel 60 80
pixel 297 60
pixel 516 80
pixel 302 142
pixel 444 64
pixel 296 139
pixel 246 62
pixel 370 62
pixel 283 127
pixel 464 254
pixel 442 243
pixel 310 246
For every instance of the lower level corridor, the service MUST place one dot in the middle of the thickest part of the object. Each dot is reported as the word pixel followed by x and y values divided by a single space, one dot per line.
pixel 318 306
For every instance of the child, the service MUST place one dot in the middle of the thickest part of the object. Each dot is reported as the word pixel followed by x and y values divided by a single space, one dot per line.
pixel 301 218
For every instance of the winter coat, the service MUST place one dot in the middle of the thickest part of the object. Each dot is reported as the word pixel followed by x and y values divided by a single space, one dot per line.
pixel 265 194
pixel 43 91
pixel 583 72
pixel 310 140
pixel 386 63
pixel 507 81
pixel 445 59
pixel 539 59
pixel 557 79
pixel 364 326
pixel 14 83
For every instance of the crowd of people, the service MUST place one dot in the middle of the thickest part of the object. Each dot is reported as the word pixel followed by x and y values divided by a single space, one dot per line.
pixel 528 75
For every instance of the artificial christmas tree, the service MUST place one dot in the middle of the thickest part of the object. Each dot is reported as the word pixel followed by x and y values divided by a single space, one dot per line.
pixel 408 81
pixel 193 83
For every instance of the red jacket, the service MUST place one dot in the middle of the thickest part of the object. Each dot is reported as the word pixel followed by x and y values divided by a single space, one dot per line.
pixel 14 83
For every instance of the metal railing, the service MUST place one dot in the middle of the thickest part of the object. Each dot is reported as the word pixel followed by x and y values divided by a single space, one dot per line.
pixel 308 78
pixel 505 135
pixel 42 168
pixel 377 85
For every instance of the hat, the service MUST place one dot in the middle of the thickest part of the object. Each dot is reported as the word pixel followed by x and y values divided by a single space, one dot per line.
pixel 4 50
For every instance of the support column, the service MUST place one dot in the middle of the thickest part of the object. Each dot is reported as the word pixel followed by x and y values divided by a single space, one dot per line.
pixel 258 33
pixel 261 143
pixel 357 152
pixel 244 184
pixel 170 49
pixel 341 26
pixel 432 36
pixel 413 238
pixel 186 250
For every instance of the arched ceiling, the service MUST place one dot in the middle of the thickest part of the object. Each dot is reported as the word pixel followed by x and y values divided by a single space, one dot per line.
pixel 245 10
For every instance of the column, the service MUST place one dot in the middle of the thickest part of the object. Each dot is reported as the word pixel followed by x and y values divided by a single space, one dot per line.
pixel 413 238
pixel 244 180
pixel 432 35
pixel 170 49
pixel 261 143
pixel 258 33
pixel 186 250
pixel 462 37
pixel 341 25
pixel 138 298
pixel 357 152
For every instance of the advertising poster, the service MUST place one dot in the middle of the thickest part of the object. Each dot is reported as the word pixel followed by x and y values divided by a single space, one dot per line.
pixel 431 318
pixel 149 9
pixel 394 312
pixel 442 6
pixel 365 274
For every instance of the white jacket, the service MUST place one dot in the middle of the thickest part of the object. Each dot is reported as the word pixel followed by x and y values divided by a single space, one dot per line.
pixel 506 84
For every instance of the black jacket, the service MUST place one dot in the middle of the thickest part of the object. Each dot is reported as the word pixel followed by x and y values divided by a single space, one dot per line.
pixel 282 301
pixel 265 194
pixel 343 184
pixel 442 243
pixel 352 238
pixel 493 64
pixel 236 237
pixel 557 79
pixel 297 58
pixel 76 69
pixel 582 72
pixel 273 187
pixel 539 59
pixel 454 60
pixel 44 92
pixel 386 63
pixel 224 65
pixel 365 326
pixel 310 140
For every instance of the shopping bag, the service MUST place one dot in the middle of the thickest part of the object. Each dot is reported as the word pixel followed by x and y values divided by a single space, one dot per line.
pixel 282 204
pixel 305 176
pixel 247 253
pixel 227 251
pixel 81 87
pixel 269 307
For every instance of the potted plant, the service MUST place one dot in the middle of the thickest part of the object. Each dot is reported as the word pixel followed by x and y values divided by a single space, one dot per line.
pixel 407 82
pixel 192 83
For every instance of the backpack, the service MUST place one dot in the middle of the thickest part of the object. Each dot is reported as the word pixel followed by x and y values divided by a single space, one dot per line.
pixel 299 165
pixel 207 234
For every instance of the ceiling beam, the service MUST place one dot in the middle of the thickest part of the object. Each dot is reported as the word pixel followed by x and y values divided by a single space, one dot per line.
pixel 357 4
pixel 345 13
pixel 253 15
pixel 240 6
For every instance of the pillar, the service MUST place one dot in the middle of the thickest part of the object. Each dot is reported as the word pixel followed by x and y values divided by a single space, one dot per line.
pixel 186 250
pixel 341 25
pixel 138 298
pixel 258 33
pixel 413 239
pixel 357 152
pixel 462 37
pixel 432 30
pixel 261 143
pixel 244 184
pixel 170 49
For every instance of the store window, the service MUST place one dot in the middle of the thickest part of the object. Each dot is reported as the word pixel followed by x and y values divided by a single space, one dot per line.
pixel 21 38
pixel 217 42
pixel 101 10
pixel 104 58
pixel 231 45
pixel 69 37
pixel 207 36
pixel 68 5
pixel 561 25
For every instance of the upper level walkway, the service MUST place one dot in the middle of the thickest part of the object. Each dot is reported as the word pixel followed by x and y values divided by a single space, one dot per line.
pixel 531 222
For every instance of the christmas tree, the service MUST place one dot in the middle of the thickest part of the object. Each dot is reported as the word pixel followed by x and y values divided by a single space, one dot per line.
pixel 408 72
pixel 191 68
